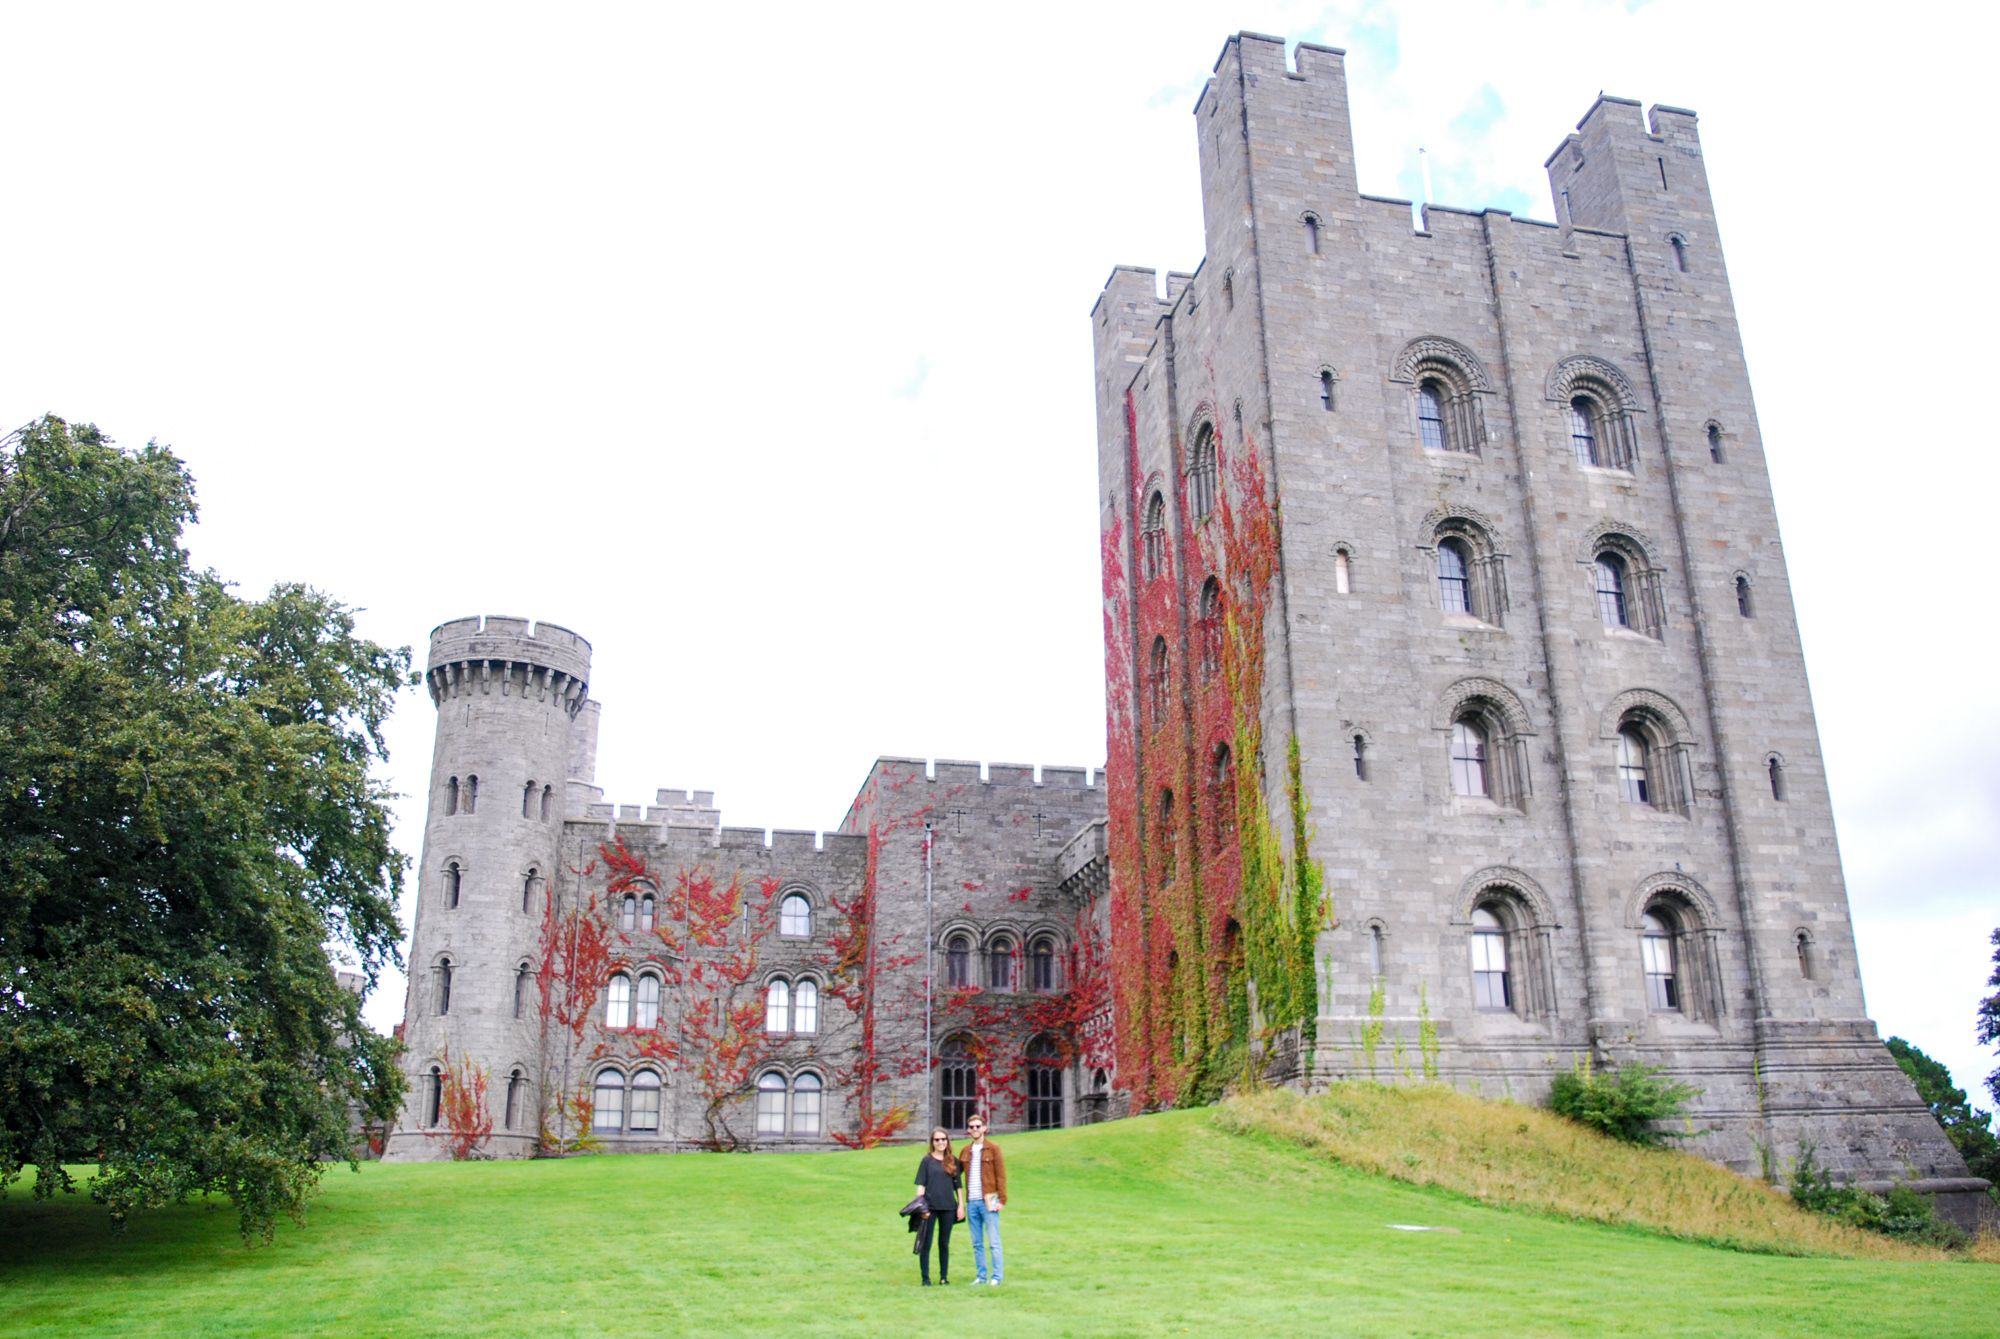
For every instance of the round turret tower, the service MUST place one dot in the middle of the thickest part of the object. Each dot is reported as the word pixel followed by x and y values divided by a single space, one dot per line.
pixel 514 725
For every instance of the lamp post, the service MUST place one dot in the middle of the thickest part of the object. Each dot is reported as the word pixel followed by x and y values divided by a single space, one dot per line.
pixel 930 970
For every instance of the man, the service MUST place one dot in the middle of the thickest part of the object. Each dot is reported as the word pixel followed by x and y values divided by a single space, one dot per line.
pixel 985 1196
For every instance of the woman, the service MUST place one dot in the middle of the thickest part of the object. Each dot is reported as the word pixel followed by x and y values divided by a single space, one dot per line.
pixel 937 1174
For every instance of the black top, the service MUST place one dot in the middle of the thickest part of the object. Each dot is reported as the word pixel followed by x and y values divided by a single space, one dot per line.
pixel 940 1186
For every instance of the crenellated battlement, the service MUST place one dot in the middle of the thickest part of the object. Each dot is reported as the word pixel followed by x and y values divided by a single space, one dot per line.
pixel 508 657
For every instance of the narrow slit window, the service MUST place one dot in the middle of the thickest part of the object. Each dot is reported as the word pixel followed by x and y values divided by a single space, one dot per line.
pixel 471 794
pixel 548 793
pixel 451 797
pixel 1715 442
pixel 1155 537
pixel 1360 758
pixel 1343 577
pixel 444 985
pixel 522 976
pixel 515 1082
pixel 1375 951
pixel 1805 955
pixel 1663 173
pixel 1168 837
pixel 1777 771
pixel 453 880
pixel 1743 606
pixel 1157 682
pixel 1326 390
pixel 527 800
pixel 528 892
pixel 1680 255
pixel 1312 235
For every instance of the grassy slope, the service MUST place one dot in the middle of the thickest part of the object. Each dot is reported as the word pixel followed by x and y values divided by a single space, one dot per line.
pixel 1148 1226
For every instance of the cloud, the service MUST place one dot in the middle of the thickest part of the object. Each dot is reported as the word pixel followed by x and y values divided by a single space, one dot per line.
pixel 1169 94
pixel 914 387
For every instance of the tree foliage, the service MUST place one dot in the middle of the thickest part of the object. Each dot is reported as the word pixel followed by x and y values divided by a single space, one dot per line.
pixel 187 826
pixel 1968 1128
pixel 1989 1018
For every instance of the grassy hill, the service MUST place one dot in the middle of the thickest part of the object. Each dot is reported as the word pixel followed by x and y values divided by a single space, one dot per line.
pixel 1165 1224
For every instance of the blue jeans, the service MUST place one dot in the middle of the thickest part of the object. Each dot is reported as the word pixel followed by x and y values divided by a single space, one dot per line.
pixel 985 1231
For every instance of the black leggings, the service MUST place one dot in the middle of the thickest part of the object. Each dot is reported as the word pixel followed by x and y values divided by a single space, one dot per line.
pixel 942 1222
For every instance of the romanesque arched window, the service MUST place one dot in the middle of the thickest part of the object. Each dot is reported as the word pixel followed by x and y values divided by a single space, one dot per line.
pixel 1430 415
pixel 1653 751
pixel 1656 956
pixel 517 1083
pixel 1627 583
pixel 647 1015
pixel 1156 683
pixel 1492 990
pixel 618 1002
pixel 1211 629
pixel 645 1118
pixel 1611 608
pixel 529 887
pixel 1597 403
pixel 958 1084
pixel 1202 472
pixel 1042 966
pixel 1000 964
pixel 1583 430
pixel 628 912
pixel 1677 951
pixel 1154 537
pixel 548 795
pixel 444 970
pixel 607 1112
pixel 524 979
pixel 795 915
pixel 1044 1065
pixel 1470 569
pixel 778 1006
pixel 1221 796
pixel 1634 765
pixel 805 1007
pixel 1486 733
pixel 451 796
pixel 471 794
pixel 1446 385
pixel 1454 566
pixel 433 1097
pixel 958 961
pixel 771 1105
pixel 528 794
pixel 1469 776
pixel 805 1105
pixel 453 879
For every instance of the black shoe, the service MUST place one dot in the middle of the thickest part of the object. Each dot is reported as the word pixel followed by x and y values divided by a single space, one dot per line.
pixel 927 1283
pixel 944 1283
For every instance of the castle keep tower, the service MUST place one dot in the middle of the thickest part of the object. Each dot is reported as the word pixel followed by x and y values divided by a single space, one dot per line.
pixel 1474 517
pixel 515 725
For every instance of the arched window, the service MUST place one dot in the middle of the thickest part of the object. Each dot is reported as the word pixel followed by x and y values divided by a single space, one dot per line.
pixel 628 913
pixel 618 1002
pixel 1326 389
pixel 771 1105
pixel 548 794
pixel 527 799
pixel 529 887
pixel 1583 430
pixel 1611 591
pixel 1361 757
pixel 1044 1085
pixel 1715 442
pixel 1430 415
pixel 649 1002
pixel 451 796
pixel 1156 682
pixel 1743 606
pixel 1201 476
pixel 444 985
pixel 452 881
pixel 646 909
pixel 645 1102
pixel 1491 990
pixel 805 1007
pixel 1634 767
pixel 805 1104
pixel 1776 767
pixel 1454 586
pixel 1468 759
pixel 1169 836
pixel 524 976
pixel 1804 943
pixel 1211 629
pixel 795 915
pixel 433 1096
pixel 1375 951
pixel 1042 966
pixel 1000 964
pixel 1311 222
pixel 1221 796
pixel 607 1112
pixel 1656 952
pixel 1680 250
pixel 958 1083
pixel 1155 537
pixel 471 794
pixel 958 961
pixel 1343 575
pixel 515 1083
pixel 778 1006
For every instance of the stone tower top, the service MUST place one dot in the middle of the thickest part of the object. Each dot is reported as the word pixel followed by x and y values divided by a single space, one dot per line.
pixel 492 652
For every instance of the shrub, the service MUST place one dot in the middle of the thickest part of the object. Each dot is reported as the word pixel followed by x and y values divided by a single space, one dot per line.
pixel 1902 1213
pixel 1623 1102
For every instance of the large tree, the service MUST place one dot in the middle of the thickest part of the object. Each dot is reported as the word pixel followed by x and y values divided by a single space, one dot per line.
pixel 1968 1128
pixel 1989 1018
pixel 187 829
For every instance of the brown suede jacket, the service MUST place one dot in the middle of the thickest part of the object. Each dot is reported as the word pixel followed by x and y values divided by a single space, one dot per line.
pixel 992 1170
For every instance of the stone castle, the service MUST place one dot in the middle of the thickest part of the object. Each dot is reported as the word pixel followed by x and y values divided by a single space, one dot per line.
pixel 1458 728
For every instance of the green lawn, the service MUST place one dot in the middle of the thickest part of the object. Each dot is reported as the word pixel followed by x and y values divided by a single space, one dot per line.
pixel 1159 1225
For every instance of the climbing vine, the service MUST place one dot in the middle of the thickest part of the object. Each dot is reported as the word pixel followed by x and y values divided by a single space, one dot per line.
pixel 462 1108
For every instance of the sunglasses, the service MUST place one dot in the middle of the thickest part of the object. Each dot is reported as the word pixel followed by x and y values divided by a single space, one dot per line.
pixel 941 1139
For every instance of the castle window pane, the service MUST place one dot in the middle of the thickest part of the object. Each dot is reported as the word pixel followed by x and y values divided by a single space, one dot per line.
pixel 1042 964
pixel 1491 990
pixel 528 893
pixel 1656 951
pixel 618 1002
pixel 515 1082
pixel 522 976
pixel 1044 1085
pixel 451 796
pixel 1155 537
pixel 805 1007
pixel 1202 476
pixel 607 1113
pixel 1468 760
pixel 1583 430
pixel 649 1002
pixel 1211 629
pixel 771 1105
pixel 527 800
pixel 958 962
pixel 1342 579
pixel 957 1085
pixel 628 913
pixel 645 1102
pixel 795 915
pixel 1156 682
pixel 778 1007
pixel 444 985
pixel 1000 965
pixel 805 1104
pixel 1375 951
pixel 1430 416
pixel 433 1096
pixel 548 793
pixel 1454 587
pixel 471 794
pixel 1611 592
pixel 1743 596
pixel 1715 442
pixel 1633 787
pixel 452 881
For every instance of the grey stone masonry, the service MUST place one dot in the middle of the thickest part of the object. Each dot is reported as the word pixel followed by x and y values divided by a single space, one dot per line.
pixel 1533 627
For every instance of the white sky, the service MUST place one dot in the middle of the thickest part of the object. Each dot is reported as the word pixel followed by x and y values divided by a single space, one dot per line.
pixel 756 350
